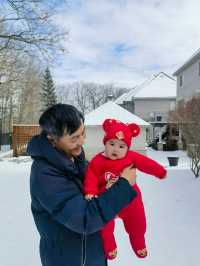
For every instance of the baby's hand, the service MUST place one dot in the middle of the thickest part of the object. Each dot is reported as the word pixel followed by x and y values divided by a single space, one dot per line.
pixel 90 196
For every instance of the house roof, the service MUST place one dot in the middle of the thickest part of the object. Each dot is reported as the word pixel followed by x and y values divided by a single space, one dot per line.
pixel 158 86
pixel 190 61
pixel 112 110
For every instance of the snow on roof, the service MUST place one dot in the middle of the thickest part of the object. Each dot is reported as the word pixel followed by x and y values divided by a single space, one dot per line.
pixel 190 61
pixel 127 96
pixel 112 110
pixel 158 86
pixel 121 98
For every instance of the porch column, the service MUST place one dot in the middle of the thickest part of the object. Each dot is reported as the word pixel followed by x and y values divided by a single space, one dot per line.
pixel 160 144
pixel 180 143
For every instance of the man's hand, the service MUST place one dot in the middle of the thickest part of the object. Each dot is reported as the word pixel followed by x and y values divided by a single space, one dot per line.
pixel 129 173
pixel 111 181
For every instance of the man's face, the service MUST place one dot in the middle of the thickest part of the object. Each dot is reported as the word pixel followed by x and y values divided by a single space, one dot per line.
pixel 115 149
pixel 71 144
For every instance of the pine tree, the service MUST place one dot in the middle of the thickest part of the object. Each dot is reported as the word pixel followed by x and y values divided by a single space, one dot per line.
pixel 48 90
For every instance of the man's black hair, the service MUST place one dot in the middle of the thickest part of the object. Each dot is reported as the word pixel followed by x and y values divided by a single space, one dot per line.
pixel 60 118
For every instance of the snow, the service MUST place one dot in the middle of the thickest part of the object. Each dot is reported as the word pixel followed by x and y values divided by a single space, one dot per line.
pixel 121 98
pixel 19 238
pixel 158 86
pixel 172 209
pixel 4 148
pixel 112 110
pixel 173 235
pixel 5 151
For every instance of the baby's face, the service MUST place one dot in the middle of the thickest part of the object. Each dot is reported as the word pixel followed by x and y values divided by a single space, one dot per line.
pixel 115 149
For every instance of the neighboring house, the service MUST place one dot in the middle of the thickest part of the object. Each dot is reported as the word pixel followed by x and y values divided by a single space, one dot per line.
pixel 95 133
pixel 188 78
pixel 152 101
pixel 188 82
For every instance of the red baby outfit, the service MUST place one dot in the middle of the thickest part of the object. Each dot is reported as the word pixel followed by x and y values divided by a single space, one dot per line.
pixel 101 169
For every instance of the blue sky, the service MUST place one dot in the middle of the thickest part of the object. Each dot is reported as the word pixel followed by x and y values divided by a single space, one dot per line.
pixel 125 41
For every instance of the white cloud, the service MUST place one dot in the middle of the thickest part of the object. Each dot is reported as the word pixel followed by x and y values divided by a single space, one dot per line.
pixel 126 41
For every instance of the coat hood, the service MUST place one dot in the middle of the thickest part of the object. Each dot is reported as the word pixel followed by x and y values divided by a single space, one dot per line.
pixel 40 148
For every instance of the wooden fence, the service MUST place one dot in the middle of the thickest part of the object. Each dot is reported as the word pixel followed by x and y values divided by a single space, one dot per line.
pixel 21 136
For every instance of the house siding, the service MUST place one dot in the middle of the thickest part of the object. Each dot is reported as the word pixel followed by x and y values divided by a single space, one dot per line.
pixel 144 108
pixel 191 82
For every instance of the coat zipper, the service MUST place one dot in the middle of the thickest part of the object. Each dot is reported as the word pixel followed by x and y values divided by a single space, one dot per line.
pixel 83 250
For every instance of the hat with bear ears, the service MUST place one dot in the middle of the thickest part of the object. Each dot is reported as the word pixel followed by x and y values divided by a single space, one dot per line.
pixel 115 129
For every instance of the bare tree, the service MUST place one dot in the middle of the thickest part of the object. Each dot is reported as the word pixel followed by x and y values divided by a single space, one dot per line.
pixel 87 96
pixel 29 96
pixel 63 94
pixel 29 26
pixel 99 94
pixel 19 92
pixel 187 116
pixel 81 97
pixel 28 33
pixel 10 72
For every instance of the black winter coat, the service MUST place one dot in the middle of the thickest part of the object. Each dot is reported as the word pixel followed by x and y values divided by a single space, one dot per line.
pixel 68 224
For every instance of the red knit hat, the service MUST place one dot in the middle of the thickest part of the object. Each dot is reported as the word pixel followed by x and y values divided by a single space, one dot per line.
pixel 115 129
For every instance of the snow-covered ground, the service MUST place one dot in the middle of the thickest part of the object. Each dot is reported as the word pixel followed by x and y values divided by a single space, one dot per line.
pixel 4 148
pixel 172 209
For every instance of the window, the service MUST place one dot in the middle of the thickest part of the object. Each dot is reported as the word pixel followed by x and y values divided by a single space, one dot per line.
pixel 159 118
pixel 181 81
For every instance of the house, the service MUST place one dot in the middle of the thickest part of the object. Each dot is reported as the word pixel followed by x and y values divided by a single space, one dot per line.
pixel 188 82
pixel 188 78
pixel 152 100
pixel 95 133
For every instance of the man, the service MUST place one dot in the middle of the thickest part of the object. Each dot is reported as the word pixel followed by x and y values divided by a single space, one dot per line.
pixel 67 223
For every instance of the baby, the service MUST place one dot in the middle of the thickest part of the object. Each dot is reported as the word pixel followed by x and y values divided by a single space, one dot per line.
pixel 105 168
